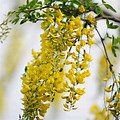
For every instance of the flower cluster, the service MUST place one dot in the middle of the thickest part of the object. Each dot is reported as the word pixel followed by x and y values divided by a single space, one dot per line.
pixel 63 46
pixel 113 96
pixel 100 114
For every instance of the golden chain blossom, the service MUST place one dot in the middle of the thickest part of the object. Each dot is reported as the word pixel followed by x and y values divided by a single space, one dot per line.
pixel 63 43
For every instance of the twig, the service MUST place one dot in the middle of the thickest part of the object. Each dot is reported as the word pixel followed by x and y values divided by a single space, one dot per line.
pixel 107 58
pixel 99 17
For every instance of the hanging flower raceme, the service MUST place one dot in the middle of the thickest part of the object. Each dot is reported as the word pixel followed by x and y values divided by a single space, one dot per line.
pixel 112 96
pixel 63 43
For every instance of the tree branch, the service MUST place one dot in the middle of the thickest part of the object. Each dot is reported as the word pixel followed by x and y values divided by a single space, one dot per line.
pixel 107 15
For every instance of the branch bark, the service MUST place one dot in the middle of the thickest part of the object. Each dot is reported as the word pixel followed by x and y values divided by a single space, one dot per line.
pixel 107 15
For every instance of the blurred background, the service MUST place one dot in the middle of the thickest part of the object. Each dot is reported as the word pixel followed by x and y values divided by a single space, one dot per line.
pixel 15 53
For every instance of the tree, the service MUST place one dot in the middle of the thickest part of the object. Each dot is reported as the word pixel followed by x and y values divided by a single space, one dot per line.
pixel 69 28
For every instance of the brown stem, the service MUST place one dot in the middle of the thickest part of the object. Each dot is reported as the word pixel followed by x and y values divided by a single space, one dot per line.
pixel 99 17
pixel 107 58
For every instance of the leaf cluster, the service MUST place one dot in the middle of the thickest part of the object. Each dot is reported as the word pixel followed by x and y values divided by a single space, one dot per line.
pixel 28 12
pixel 4 30
pixel 115 41
pixel 115 44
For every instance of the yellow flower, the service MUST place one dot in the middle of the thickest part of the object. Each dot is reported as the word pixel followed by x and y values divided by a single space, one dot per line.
pixel 71 78
pixel 45 25
pixel 50 80
pixel 78 22
pixel 25 88
pixel 107 89
pixel 118 96
pixel 108 99
pixel 81 80
pixel 49 19
pixel 78 33
pixel 34 54
pixel 67 62
pixel 86 73
pixel 87 57
pixel 77 97
pixel 85 31
pixel 94 109
pixel 90 42
pixel 82 43
pixel 73 65
pixel 91 19
pixel 82 9
pixel 74 56
pixel 71 71
pixel 69 43
pixel 78 48
pixel 80 91
pixel 84 65
pixel 58 14
pixel 105 79
pixel 91 35
pixel 58 21
pixel 118 105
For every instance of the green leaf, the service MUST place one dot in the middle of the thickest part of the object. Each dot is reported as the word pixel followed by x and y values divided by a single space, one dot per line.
pixel 114 50
pixel 103 1
pixel 23 21
pixel 32 3
pixel 111 25
pixel 109 7
pixel 98 10
pixel 87 2
pixel 116 41
pixel 15 20
pixel 93 4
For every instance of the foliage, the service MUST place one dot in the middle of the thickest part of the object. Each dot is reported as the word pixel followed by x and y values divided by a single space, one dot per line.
pixel 69 28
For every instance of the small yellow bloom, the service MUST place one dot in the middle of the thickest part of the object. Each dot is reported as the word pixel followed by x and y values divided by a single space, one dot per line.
pixel 108 99
pixel 91 35
pixel 78 48
pixel 91 19
pixel 78 33
pixel 73 65
pixel 49 19
pixel 74 56
pixel 25 88
pixel 82 9
pixel 116 81
pixel 94 109
pixel 77 97
pixel 105 79
pixel 67 62
pixel 44 25
pixel 34 54
pixel 50 80
pixel 69 43
pixel 107 89
pixel 118 96
pixel 90 42
pixel 87 57
pixel 82 43
pixel 71 71
pixel 86 73
pixel 78 22
pixel 80 91
pixel 111 105
pixel 118 106
pixel 84 65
